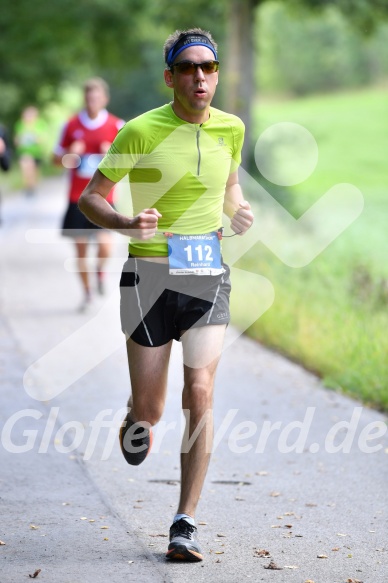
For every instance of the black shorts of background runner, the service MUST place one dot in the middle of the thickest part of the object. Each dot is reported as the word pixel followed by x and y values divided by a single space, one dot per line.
pixel 156 307
pixel 76 225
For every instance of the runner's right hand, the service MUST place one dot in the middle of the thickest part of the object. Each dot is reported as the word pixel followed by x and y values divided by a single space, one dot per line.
pixel 145 224
pixel 78 147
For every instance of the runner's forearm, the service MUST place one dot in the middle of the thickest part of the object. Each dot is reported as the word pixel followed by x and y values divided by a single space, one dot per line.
pixel 233 198
pixel 95 207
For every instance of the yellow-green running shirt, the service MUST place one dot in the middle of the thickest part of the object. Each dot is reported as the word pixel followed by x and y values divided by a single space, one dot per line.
pixel 179 168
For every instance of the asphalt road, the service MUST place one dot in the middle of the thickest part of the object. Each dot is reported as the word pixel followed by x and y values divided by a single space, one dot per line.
pixel 298 477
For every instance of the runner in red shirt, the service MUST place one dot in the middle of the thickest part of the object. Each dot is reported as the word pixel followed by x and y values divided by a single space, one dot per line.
pixel 85 139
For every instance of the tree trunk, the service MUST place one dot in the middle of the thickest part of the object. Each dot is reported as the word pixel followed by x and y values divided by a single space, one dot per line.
pixel 240 92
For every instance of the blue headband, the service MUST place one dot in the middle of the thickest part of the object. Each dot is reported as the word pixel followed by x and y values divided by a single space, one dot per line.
pixel 188 40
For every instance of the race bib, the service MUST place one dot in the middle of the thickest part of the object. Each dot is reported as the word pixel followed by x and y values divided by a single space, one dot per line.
pixel 88 165
pixel 194 254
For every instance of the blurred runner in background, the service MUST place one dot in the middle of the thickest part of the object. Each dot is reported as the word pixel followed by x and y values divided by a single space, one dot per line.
pixel 85 139
pixel 30 135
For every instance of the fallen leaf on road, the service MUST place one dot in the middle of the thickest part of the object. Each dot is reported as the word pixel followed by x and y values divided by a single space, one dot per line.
pixel 290 567
pixel 262 553
pixel 131 562
pixel 35 574
pixel 83 518
pixel 219 553
pixel 2 543
pixel 288 526
pixel 104 527
pixel 158 535
pixel 340 534
pixel 336 549
pixel 309 581
pixel 276 526
pixel 273 566
pixel 218 561
pixel 202 523
pixel 92 520
pixel 321 556
pixel 220 535
pixel 34 527
pixel 65 503
pixel 353 581
pixel 106 538
pixel 275 494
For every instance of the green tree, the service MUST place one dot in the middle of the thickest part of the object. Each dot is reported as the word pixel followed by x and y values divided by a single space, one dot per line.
pixel 44 43
pixel 320 52
pixel 243 15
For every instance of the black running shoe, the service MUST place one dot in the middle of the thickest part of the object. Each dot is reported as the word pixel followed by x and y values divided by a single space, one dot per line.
pixel 183 542
pixel 135 450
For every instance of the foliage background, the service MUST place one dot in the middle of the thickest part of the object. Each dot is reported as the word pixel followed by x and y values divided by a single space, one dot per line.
pixel 300 46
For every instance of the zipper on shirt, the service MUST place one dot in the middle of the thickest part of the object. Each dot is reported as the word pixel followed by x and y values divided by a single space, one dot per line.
pixel 199 151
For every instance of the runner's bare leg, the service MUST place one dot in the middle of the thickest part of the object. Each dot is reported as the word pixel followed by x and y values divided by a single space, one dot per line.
pixel 148 370
pixel 82 248
pixel 104 241
pixel 201 349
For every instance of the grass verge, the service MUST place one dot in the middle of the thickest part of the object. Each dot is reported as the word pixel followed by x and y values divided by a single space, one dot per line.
pixel 331 315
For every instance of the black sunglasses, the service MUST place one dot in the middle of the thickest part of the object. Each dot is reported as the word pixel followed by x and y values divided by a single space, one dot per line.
pixel 189 68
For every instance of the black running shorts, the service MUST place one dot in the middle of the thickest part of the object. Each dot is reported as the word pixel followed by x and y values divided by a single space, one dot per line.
pixel 157 307
pixel 76 225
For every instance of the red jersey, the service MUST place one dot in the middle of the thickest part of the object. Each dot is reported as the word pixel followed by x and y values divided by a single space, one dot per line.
pixel 93 132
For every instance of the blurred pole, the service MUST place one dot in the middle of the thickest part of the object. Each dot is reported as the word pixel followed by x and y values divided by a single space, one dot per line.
pixel 240 93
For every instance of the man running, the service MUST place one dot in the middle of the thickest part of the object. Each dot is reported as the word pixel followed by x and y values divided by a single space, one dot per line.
pixel 84 138
pixel 30 139
pixel 182 160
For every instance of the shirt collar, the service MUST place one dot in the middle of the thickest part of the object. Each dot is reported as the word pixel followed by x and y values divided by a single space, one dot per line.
pixel 93 124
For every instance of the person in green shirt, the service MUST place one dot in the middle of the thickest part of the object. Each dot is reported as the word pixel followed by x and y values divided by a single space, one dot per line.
pixel 30 132
pixel 182 162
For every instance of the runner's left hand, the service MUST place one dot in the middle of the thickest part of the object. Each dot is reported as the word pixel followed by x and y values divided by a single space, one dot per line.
pixel 242 218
